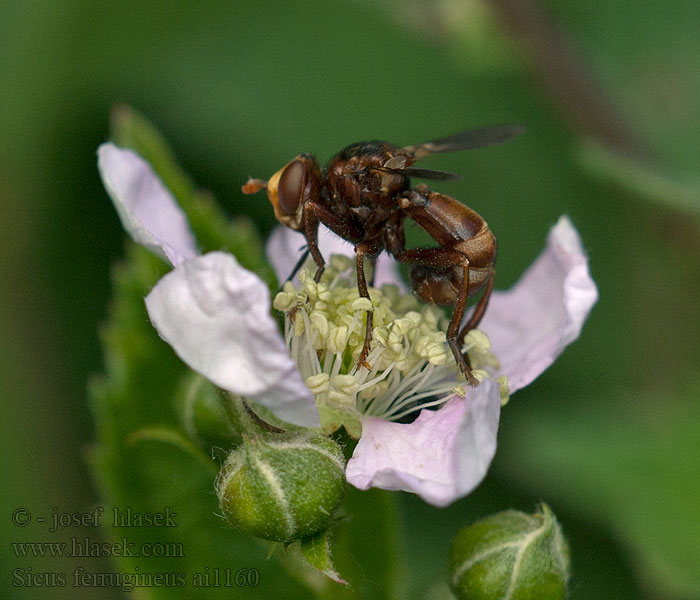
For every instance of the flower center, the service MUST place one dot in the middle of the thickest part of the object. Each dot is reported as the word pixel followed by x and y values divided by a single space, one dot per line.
pixel 411 364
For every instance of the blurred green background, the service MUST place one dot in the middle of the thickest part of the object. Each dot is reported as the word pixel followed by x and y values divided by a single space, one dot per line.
pixel 609 91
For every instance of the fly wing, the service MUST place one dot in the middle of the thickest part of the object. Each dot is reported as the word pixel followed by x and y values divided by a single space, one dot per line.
pixel 466 140
pixel 419 173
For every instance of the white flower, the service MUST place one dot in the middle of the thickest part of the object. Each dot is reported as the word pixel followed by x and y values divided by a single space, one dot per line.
pixel 444 454
pixel 215 314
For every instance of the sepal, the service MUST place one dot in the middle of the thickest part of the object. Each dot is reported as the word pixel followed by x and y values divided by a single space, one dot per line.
pixel 317 552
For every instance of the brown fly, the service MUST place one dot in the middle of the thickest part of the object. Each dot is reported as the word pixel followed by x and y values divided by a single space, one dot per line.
pixel 364 195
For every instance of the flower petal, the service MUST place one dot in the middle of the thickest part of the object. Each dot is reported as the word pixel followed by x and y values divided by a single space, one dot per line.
pixel 442 456
pixel 146 208
pixel 215 314
pixel 284 248
pixel 532 323
pixel 386 271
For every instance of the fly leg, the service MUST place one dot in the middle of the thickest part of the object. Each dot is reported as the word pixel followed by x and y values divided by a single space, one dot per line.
pixel 311 210
pixel 345 228
pixel 479 310
pixel 362 250
pixel 438 284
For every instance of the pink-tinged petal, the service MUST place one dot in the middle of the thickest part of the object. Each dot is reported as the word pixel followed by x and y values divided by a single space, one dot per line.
pixel 215 315
pixel 285 246
pixel 387 272
pixel 532 323
pixel 283 249
pixel 442 456
pixel 148 211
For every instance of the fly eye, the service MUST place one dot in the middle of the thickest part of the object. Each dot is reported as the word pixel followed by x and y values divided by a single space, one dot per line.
pixel 291 187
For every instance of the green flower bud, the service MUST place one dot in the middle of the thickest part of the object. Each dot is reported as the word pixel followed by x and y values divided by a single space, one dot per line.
pixel 511 555
pixel 282 486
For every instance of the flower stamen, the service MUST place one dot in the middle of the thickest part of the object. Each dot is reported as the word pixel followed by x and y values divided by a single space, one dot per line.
pixel 411 365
